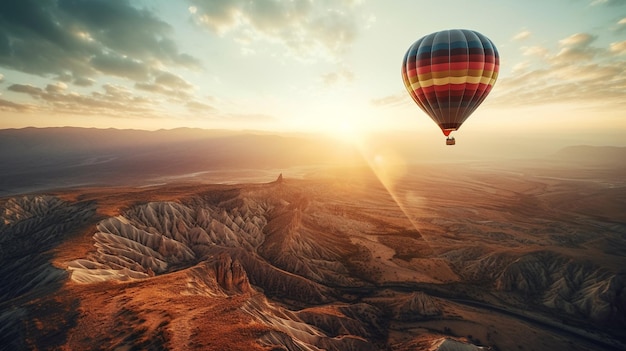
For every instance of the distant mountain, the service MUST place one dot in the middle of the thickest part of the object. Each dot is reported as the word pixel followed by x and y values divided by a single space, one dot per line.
pixel 42 158
pixel 36 159
pixel 71 142
pixel 608 155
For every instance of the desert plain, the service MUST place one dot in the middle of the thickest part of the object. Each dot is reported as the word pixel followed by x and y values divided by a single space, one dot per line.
pixel 474 255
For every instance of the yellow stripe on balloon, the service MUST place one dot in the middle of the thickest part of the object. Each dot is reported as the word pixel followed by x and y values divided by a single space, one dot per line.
pixel 454 73
pixel 451 74
pixel 454 80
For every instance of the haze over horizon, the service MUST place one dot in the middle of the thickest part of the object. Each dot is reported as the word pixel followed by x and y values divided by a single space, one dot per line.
pixel 304 66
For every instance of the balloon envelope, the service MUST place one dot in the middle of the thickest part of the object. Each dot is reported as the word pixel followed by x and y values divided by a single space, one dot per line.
pixel 449 73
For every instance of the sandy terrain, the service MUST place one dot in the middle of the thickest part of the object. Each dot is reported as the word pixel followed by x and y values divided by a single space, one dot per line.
pixel 488 256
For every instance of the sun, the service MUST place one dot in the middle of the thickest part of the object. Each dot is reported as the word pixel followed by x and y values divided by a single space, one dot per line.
pixel 342 122
pixel 345 131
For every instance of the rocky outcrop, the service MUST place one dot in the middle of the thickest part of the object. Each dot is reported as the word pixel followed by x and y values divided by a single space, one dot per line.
pixel 361 319
pixel 413 307
pixel 160 237
pixel 447 344
pixel 30 226
pixel 291 332
pixel 437 343
pixel 219 275
pixel 230 275
pixel 295 246
pixel 479 264
pixel 567 284
pixel 268 231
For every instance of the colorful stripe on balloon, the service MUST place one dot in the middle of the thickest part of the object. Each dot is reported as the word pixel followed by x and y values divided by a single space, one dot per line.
pixel 449 73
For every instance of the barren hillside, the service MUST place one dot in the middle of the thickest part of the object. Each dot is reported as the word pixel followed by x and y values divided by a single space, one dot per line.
pixel 476 259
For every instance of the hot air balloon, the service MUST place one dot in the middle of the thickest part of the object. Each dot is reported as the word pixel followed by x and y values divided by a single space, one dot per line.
pixel 449 73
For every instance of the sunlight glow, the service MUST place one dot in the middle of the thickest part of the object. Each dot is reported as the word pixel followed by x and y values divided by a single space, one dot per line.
pixel 344 131
pixel 390 167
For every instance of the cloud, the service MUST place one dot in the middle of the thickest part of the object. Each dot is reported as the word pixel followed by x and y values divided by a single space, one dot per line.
pixel 575 72
pixel 249 118
pixel 26 89
pixel 170 94
pixel 618 48
pixel 522 66
pixel 85 38
pixel 120 66
pixel 172 86
pixel 523 35
pixel 6 105
pixel 84 82
pixel 576 48
pixel 308 30
pixel 392 100
pixel 114 101
pixel 57 88
pixel 196 106
pixel 607 3
pixel 620 26
pixel 577 40
pixel 536 51
pixel 332 78
pixel 173 81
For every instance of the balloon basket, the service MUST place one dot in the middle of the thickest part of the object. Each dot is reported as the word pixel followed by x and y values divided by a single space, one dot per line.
pixel 450 141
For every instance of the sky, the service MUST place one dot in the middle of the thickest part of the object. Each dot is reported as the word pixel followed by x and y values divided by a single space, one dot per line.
pixel 306 65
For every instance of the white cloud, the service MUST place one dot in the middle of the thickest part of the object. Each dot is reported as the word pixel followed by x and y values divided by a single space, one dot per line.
pixel 536 51
pixel 598 2
pixel 196 106
pixel 576 72
pixel 173 91
pixel 606 3
pixel 172 81
pixel 618 48
pixel 522 66
pixel 392 100
pixel 576 48
pixel 577 40
pixel 333 78
pixel 308 30
pixel 58 87
pixel 523 35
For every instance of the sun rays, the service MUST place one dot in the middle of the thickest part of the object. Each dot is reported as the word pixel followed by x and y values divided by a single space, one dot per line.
pixel 389 167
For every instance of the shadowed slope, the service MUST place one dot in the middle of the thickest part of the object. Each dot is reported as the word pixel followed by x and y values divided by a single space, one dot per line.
pixel 30 227
pixel 157 238
pixel 313 264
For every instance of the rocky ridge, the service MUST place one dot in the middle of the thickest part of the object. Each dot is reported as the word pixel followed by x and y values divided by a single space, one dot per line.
pixel 288 261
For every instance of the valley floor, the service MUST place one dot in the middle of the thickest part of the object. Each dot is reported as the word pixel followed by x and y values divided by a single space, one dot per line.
pixel 423 258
